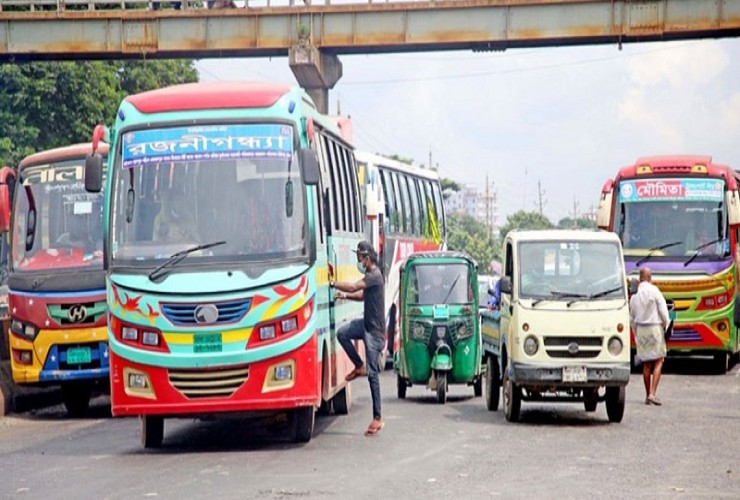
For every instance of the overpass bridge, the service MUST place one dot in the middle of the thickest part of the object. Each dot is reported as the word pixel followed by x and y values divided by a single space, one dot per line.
pixel 313 36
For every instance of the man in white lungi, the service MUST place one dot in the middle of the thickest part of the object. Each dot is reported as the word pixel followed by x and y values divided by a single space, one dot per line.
pixel 649 319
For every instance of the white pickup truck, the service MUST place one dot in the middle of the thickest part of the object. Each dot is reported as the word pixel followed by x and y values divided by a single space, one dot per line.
pixel 562 330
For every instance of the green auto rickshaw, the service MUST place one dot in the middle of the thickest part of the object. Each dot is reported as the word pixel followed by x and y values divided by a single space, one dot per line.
pixel 439 327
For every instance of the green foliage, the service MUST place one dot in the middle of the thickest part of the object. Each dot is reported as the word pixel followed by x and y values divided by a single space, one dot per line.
pixel 45 105
pixel 524 220
pixel 466 234
pixel 449 184
pixel 407 161
pixel 580 223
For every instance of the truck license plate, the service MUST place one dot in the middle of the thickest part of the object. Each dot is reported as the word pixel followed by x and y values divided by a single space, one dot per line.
pixel 575 374
pixel 78 355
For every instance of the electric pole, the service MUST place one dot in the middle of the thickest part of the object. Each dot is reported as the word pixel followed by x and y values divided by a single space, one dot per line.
pixel 541 198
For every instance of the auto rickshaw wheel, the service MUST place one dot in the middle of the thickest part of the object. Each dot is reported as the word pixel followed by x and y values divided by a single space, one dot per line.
pixel 493 383
pixel 478 387
pixel 615 400
pixel 441 387
pixel 152 431
pixel 401 386
pixel 512 399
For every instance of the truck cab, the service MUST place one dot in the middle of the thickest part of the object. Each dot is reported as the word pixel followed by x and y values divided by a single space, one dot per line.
pixel 562 331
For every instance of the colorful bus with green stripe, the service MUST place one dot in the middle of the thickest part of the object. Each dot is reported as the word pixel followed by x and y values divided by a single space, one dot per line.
pixel 57 302
pixel 680 216
pixel 226 202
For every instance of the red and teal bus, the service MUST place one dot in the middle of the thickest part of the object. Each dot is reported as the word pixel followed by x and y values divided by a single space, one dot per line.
pixel 405 214
pixel 226 202
pixel 57 302
pixel 680 215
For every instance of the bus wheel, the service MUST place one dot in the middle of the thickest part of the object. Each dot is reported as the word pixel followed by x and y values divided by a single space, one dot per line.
pixel 512 399
pixel 615 398
pixel 303 420
pixel 401 386
pixel 493 383
pixel 76 397
pixel 342 401
pixel 590 399
pixel 152 431
pixel 720 363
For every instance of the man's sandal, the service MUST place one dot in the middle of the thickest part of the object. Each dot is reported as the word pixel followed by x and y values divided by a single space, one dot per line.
pixel 374 428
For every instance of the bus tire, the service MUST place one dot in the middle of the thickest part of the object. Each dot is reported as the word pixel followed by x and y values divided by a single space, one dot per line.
pixel 493 383
pixel 76 397
pixel 720 363
pixel 615 401
pixel 342 401
pixel 303 421
pixel 152 431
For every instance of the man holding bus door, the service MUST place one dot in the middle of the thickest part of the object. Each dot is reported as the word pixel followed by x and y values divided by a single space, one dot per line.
pixel 370 329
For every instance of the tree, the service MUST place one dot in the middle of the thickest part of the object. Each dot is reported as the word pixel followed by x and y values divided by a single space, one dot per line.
pixel 45 105
pixel 449 184
pixel 524 220
pixel 580 223
pixel 466 234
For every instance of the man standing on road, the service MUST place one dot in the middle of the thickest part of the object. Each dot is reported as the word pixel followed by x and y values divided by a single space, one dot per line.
pixel 649 318
pixel 371 329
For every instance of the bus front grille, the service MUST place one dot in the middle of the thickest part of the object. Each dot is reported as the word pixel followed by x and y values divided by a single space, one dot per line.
pixel 208 383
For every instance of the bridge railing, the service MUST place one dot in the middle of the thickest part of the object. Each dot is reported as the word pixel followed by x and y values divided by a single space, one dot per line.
pixel 107 5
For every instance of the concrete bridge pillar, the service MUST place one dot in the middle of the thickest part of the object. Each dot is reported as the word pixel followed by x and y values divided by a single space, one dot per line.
pixel 315 71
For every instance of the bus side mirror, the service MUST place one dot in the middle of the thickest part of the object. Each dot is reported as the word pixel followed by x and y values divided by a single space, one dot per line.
pixel 7 183
pixel 634 284
pixel 505 284
pixel 4 208
pixel 309 166
pixel 733 207
pixel 94 173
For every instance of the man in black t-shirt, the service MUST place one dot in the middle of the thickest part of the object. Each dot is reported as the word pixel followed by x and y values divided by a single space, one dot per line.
pixel 371 329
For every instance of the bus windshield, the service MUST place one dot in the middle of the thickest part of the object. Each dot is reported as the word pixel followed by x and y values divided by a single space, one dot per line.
pixel 57 223
pixel 674 229
pixel 178 188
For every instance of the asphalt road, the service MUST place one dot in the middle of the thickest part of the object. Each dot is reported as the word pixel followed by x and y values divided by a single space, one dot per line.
pixel 687 448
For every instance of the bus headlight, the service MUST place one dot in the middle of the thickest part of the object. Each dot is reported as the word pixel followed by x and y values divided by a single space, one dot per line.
pixel 531 345
pixel 615 346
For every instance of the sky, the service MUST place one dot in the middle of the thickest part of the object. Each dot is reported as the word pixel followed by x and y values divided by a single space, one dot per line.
pixel 566 118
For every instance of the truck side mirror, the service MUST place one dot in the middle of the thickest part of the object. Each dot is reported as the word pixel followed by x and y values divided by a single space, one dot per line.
pixel 505 284
pixel 94 173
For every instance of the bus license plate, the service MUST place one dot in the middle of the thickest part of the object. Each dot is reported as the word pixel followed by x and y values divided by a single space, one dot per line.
pixel 575 374
pixel 207 342
pixel 78 355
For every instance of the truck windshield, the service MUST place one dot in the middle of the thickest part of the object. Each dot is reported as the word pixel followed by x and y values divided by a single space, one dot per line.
pixel 565 270
pixel 57 224
pixel 441 284
pixel 179 188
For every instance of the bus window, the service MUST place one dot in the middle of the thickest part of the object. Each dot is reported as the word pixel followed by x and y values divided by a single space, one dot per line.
pixel 409 216
pixel 400 209
pixel 440 213
pixel 351 177
pixel 414 193
pixel 334 192
pixel 390 206
pixel 428 207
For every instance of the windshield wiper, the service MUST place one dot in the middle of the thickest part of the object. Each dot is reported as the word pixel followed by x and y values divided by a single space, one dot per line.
pixel 451 288
pixel 698 249
pixel 655 249
pixel 604 292
pixel 161 270
pixel 560 295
